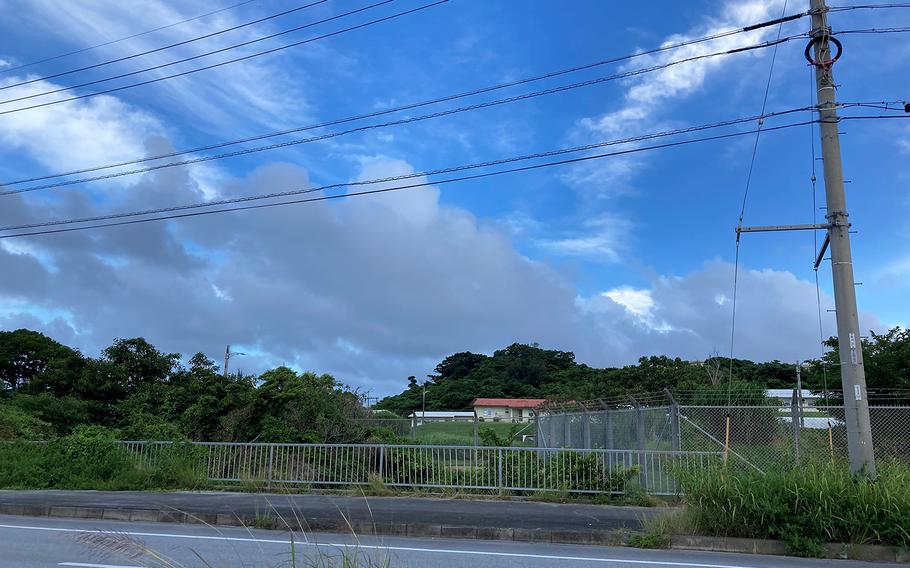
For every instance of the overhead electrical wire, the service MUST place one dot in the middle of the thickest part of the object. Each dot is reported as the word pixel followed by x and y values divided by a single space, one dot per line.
pixel 896 30
pixel 630 56
pixel 409 120
pixel 170 46
pixel 366 182
pixel 409 106
pixel 363 182
pixel 869 6
pixel 742 210
pixel 628 140
pixel 220 64
pixel 132 36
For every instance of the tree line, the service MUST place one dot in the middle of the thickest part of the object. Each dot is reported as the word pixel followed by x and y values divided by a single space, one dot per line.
pixel 48 388
pixel 528 371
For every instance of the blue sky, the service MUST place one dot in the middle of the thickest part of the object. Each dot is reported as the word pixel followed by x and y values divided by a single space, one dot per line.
pixel 613 259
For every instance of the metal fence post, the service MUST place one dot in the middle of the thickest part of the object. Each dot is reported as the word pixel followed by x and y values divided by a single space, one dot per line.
pixel 382 463
pixel 586 430
pixel 640 436
pixel 608 431
pixel 795 419
pixel 673 410
pixel 499 467
pixel 271 461
pixel 551 422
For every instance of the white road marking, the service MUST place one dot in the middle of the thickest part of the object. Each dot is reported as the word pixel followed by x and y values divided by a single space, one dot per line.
pixel 387 548
pixel 94 565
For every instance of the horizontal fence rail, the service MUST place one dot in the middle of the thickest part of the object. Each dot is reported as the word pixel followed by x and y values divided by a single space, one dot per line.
pixel 440 467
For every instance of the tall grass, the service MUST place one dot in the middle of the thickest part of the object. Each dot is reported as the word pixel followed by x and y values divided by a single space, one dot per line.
pixel 803 506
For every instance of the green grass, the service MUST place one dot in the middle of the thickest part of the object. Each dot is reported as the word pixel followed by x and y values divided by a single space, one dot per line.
pixel 462 433
pixel 802 506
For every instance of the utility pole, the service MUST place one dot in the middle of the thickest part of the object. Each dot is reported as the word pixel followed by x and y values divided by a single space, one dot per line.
pixel 227 357
pixel 853 375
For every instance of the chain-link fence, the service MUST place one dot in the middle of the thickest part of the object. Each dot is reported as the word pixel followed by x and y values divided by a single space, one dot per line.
pixel 449 431
pixel 760 436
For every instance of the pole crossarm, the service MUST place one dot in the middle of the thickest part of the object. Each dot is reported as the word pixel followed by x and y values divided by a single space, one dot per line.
pixel 767 228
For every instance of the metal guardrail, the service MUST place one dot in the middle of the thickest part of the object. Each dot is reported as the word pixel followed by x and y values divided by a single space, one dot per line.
pixel 440 467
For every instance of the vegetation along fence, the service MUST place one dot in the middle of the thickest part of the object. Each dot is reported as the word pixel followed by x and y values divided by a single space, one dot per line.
pixel 762 437
pixel 441 467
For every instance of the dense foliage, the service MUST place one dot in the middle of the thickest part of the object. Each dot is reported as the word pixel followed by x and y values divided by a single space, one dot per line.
pixel 50 389
pixel 527 371
pixel 91 458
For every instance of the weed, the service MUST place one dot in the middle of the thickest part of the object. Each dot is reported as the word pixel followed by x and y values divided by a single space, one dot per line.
pixel 649 540
pixel 803 507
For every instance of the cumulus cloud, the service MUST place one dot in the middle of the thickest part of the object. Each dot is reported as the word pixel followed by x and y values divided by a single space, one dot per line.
pixel 63 137
pixel 373 288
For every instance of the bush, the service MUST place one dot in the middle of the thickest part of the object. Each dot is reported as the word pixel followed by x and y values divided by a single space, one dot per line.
pixel 19 424
pixel 91 458
pixel 575 471
pixel 803 507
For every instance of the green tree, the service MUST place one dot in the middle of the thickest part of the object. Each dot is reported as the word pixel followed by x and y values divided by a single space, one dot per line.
pixel 33 362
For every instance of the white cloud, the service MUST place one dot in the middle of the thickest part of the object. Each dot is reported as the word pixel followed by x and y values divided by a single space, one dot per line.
pixel 637 302
pixel 647 97
pixel 599 239
pixel 94 131
pixel 260 91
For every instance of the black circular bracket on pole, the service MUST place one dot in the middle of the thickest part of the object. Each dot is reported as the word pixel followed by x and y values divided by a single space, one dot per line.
pixel 830 62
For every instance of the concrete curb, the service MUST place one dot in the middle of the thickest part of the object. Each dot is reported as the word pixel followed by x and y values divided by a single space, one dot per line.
pixel 832 551
pixel 617 537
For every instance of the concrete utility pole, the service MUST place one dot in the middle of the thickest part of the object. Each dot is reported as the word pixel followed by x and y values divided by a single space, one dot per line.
pixel 853 375
pixel 227 357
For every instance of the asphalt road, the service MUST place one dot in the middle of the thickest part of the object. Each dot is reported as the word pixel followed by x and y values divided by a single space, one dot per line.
pixel 32 542
pixel 450 512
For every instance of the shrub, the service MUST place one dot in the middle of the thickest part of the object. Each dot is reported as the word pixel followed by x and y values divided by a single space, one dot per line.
pixel 91 458
pixel 19 424
pixel 576 471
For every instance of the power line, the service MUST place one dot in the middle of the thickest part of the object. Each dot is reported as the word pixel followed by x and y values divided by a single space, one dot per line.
pixel 235 60
pixel 900 30
pixel 487 104
pixel 113 41
pixel 370 182
pixel 476 165
pixel 637 54
pixel 868 7
pixel 157 49
pixel 742 210
pixel 662 48
pixel 404 107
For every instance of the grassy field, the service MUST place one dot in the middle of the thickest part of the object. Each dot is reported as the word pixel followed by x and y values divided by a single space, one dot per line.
pixel 462 433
